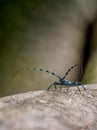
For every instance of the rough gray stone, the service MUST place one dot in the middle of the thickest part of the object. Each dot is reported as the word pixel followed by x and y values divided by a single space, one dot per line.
pixel 49 34
pixel 50 110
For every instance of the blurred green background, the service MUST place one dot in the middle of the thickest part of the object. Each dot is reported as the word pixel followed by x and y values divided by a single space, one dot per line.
pixel 46 34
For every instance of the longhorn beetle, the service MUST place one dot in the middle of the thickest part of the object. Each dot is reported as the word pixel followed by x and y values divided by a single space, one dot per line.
pixel 62 80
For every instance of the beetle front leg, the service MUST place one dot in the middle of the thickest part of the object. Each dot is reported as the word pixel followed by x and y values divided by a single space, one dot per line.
pixel 50 86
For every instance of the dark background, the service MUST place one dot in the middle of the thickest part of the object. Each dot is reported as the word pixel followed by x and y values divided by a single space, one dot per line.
pixel 47 34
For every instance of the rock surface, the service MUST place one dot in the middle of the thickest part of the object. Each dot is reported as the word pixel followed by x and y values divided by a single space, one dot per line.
pixel 50 110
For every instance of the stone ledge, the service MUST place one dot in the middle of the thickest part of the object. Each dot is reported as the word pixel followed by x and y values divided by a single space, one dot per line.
pixel 50 110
